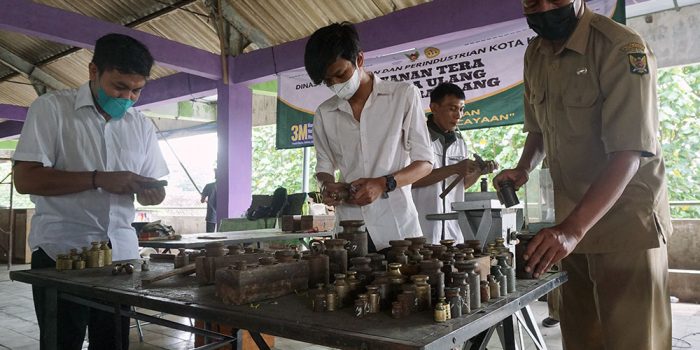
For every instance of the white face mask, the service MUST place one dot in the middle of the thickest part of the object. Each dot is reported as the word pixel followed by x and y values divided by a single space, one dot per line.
pixel 347 89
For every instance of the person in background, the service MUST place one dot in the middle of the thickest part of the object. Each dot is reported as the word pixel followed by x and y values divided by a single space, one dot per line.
pixel 591 108
pixel 373 132
pixel 83 155
pixel 209 197
pixel 450 162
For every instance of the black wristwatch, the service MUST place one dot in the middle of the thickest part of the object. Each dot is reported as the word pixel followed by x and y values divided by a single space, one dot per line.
pixel 390 183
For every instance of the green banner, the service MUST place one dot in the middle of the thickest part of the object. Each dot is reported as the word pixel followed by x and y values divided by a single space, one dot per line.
pixel 485 62
pixel 504 108
pixel 294 127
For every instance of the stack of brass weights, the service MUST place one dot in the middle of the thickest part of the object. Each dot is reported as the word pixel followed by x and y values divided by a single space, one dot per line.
pixel 416 278
pixel 502 278
pixel 98 256
pixel 369 287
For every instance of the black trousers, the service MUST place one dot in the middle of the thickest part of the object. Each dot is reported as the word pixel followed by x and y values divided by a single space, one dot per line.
pixel 371 248
pixel 73 318
pixel 211 226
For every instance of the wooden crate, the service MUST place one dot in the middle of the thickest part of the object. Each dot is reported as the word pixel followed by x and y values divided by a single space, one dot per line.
pixel 22 224
pixel 247 341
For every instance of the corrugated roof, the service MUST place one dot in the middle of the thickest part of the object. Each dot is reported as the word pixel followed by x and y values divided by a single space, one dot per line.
pixel 278 21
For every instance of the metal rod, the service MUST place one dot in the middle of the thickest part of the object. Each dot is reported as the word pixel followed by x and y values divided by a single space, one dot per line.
pixel 451 186
pixel 176 157
pixel 305 171
pixel 148 318
pixel 10 248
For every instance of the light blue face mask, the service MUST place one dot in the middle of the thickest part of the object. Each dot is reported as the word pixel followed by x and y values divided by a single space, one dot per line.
pixel 115 107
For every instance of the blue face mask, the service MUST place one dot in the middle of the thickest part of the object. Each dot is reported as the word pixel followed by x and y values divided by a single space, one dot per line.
pixel 115 107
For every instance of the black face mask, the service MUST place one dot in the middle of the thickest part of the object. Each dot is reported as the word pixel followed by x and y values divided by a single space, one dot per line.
pixel 555 24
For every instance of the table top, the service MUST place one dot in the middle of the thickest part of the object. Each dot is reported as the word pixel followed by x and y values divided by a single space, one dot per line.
pixel 199 240
pixel 289 316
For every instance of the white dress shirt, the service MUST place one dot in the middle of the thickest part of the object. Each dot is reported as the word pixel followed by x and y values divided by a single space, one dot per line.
pixel 391 134
pixel 64 131
pixel 427 198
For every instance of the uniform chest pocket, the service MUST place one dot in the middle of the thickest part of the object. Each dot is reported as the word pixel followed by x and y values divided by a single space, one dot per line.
pixel 581 108
pixel 539 107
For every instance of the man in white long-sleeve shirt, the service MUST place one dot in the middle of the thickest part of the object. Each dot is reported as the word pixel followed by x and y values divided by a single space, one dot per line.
pixel 373 132
pixel 83 155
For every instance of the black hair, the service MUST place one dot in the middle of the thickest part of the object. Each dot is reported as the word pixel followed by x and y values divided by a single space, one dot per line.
pixel 123 53
pixel 338 40
pixel 446 89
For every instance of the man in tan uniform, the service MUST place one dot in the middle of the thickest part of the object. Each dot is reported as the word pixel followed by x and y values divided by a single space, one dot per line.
pixel 590 107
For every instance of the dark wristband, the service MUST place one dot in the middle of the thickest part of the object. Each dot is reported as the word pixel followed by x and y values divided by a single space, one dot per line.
pixel 94 174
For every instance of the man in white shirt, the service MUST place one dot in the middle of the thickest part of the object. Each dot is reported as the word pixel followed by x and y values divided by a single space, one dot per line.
pixel 83 155
pixel 373 132
pixel 450 153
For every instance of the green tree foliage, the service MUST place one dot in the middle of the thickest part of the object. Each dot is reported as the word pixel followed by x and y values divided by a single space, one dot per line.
pixel 679 110
pixel 274 168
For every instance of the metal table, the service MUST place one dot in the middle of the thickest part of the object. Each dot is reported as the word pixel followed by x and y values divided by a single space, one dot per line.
pixel 290 316
pixel 199 240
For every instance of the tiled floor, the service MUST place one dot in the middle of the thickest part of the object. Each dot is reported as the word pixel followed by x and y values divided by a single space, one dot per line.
pixel 19 331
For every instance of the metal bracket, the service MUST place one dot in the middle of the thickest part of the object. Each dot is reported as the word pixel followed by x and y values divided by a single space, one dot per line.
pixel 221 339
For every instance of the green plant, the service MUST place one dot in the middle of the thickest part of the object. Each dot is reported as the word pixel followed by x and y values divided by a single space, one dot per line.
pixel 274 168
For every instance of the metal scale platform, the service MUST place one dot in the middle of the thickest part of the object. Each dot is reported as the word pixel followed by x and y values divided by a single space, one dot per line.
pixel 481 216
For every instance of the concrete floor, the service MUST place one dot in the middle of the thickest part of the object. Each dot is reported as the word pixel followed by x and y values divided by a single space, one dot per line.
pixel 19 331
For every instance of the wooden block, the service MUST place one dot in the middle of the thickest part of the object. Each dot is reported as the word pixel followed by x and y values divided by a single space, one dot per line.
pixel 317 223
pixel 246 340
pixel 308 223
pixel 291 223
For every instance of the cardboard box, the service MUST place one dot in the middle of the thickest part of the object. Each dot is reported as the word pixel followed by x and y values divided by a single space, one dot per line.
pixel 247 341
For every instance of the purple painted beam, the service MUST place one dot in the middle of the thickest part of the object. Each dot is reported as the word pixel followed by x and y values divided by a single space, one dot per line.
pixel 12 112
pixel 235 154
pixel 65 27
pixel 402 27
pixel 176 87
pixel 10 128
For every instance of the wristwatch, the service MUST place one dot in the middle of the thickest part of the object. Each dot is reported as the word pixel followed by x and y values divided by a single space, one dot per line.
pixel 390 183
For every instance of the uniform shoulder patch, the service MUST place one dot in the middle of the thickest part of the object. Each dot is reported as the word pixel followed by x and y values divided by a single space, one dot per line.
pixel 638 63
pixel 632 47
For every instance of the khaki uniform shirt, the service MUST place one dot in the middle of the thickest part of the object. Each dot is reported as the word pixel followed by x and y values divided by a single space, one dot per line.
pixel 596 96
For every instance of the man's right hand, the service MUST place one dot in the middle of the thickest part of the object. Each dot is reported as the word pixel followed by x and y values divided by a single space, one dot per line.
pixel 518 176
pixel 332 192
pixel 121 182
pixel 467 168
